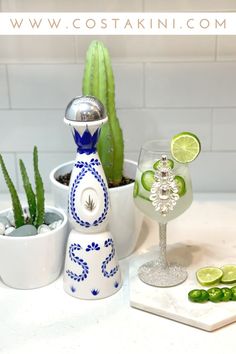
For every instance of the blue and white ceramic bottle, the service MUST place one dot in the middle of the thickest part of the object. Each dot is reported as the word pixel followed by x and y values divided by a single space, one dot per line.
pixel 91 266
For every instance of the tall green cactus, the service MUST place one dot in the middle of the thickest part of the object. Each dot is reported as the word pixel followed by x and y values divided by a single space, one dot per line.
pixel 98 81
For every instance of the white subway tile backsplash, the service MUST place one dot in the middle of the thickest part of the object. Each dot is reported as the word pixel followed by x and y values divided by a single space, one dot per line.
pixel 191 84
pixel 53 86
pixel 132 155
pixel 4 98
pixel 128 85
pixel 44 86
pixel 189 5
pixel 214 172
pixel 224 129
pixel 47 162
pixel 21 130
pixel 9 160
pixel 164 85
pixel 153 48
pixel 37 49
pixel 146 124
pixel 71 6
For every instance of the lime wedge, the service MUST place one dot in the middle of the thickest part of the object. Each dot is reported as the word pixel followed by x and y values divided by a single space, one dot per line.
pixel 185 147
pixel 229 274
pixel 147 180
pixel 208 276
pixel 180 182
pixel 170 164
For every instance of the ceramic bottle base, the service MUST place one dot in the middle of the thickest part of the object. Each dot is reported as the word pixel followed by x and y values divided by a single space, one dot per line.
pixel 91 266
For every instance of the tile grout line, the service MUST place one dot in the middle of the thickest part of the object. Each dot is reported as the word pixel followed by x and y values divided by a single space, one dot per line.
pixel 212 128
pixel 116 60
pixel 50 109
pixel 8 88
pixel 144 85
pixel 76 48
pixel 143 5
pixel 128 60
pixel 216 50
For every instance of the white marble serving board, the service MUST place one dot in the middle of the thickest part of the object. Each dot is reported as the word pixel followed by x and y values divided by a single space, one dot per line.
pixel 173 302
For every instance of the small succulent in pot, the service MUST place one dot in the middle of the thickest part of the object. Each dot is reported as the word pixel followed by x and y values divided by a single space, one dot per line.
pixel 32 220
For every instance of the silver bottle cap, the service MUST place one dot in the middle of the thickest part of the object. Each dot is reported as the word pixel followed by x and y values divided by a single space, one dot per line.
pixel 85 109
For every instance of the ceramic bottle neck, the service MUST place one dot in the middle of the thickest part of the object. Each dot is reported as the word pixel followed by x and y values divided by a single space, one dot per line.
pixel 86 141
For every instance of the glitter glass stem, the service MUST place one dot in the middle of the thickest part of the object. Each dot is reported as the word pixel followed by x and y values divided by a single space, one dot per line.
pixel 159 272
pixel 162 246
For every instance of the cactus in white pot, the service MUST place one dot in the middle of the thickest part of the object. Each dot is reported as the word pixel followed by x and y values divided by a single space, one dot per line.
pixel 98 81
pixel 32 238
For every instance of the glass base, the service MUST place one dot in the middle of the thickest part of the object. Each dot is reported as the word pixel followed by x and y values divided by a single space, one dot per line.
pixel 152 273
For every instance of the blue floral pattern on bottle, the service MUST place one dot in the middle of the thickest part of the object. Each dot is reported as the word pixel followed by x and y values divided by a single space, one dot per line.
pixel 86 142
pixel 113 271
pixel 93 247
pixel 85 168
pixel 85 268
pixel 72 289
pixel 95 292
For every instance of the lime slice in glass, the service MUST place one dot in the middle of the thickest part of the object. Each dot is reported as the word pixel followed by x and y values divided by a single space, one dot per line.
pixel 229 274
pixel 208 276
pixel 136 189
pixel 180 182
pixel 147 180
pixel 185 147
pixel 170 164
pixel 140 195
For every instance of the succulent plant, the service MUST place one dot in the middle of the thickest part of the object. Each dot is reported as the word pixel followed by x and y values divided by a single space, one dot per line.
pixel 98 81
pixel 35 199
pixel 39 191
pixel 16 205
pixel 28 191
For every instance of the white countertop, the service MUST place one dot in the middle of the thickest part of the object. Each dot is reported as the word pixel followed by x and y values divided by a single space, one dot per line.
pixel 47 320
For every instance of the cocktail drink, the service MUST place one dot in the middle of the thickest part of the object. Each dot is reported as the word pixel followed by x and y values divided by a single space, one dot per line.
pixel 144 180
pixel 162 191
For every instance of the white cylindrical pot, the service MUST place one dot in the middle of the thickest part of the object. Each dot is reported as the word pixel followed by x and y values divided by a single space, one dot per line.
pixel 29 262
pixel 125 219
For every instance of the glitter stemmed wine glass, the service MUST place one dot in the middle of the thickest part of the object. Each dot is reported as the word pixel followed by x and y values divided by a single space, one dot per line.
pixel 162 191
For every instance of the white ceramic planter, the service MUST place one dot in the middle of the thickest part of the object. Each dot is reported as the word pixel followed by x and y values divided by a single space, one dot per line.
pixel 30 262
pixel 125 219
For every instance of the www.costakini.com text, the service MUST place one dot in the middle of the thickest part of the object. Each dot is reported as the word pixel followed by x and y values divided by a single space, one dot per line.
pixel 117 23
